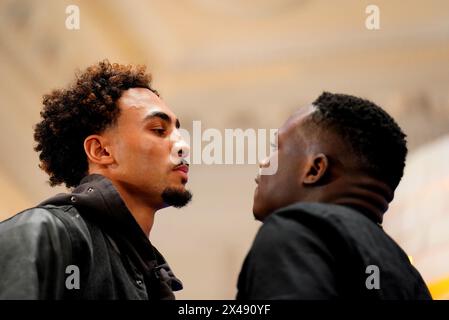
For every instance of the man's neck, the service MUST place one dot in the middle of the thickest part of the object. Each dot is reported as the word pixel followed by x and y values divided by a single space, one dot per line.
pixel 369 196
pixel 142 212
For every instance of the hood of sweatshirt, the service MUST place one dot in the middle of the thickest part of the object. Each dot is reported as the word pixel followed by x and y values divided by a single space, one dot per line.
pixel 98 201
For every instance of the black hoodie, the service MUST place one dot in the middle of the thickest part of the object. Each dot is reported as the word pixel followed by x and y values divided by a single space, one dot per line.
pixel 82 245
pixel 325 251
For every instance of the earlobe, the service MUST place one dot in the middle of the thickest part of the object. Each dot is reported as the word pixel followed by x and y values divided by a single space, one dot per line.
pixel 96 151
pixel 318 166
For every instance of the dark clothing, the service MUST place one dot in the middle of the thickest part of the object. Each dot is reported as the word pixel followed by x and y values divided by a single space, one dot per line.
pixel 91 229
pixel 322 251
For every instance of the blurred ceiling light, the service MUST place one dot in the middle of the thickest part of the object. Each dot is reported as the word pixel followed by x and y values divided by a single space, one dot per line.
pixel 249 9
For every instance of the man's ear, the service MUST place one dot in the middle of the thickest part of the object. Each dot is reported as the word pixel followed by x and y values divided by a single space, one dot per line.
pixel 316 169
pixel 98 150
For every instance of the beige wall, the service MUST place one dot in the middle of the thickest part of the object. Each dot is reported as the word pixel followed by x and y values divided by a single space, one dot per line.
pixel 418 218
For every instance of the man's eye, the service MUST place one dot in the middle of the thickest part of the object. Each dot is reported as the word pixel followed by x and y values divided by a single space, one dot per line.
pixel 159 131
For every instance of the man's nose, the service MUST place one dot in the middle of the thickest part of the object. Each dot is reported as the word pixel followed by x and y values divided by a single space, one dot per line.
pixel 180 148
pixel 264 163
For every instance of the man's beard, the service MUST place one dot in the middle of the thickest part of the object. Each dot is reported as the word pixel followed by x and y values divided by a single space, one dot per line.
pixel 176 197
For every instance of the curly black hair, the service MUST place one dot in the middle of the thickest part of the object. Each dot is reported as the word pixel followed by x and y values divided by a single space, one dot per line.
pixel 372 133
pixel 88 106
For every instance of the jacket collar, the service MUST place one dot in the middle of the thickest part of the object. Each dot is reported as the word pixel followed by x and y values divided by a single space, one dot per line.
pixel 97 200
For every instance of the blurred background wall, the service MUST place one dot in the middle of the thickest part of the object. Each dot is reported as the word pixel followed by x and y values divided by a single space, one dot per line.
pixel 241 64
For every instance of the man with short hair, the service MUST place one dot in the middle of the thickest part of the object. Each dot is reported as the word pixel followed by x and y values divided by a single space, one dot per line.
pixel 339 162
pixel 111 138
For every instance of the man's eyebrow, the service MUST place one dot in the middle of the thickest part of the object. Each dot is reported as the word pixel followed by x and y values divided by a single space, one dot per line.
pixel 161 115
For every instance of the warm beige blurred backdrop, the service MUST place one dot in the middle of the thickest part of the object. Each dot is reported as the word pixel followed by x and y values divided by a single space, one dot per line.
pixel 241 64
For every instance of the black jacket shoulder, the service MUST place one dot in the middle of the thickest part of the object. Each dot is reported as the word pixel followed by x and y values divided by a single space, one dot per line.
pixel 37 245
pixel 323 251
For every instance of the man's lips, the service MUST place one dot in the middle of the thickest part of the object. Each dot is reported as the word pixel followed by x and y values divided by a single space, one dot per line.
pixel 184 168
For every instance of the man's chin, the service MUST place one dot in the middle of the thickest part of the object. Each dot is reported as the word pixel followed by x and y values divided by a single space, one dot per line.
pixel 258 207
pixel 258 212
pixel 177 197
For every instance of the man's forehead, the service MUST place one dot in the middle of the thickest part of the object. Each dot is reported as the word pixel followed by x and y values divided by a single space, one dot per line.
pixel 139 98
pixel 142 101
pixel 303 113
pixel 297 117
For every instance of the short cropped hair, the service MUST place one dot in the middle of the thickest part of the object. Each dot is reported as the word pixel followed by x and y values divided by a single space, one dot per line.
pixel 374 136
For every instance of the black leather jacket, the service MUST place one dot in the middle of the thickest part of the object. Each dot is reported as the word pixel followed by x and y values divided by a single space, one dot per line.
pixel 91 229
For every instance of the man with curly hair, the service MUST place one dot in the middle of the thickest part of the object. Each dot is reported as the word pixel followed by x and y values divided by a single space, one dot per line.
pixel 112 140
pixel 339 162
